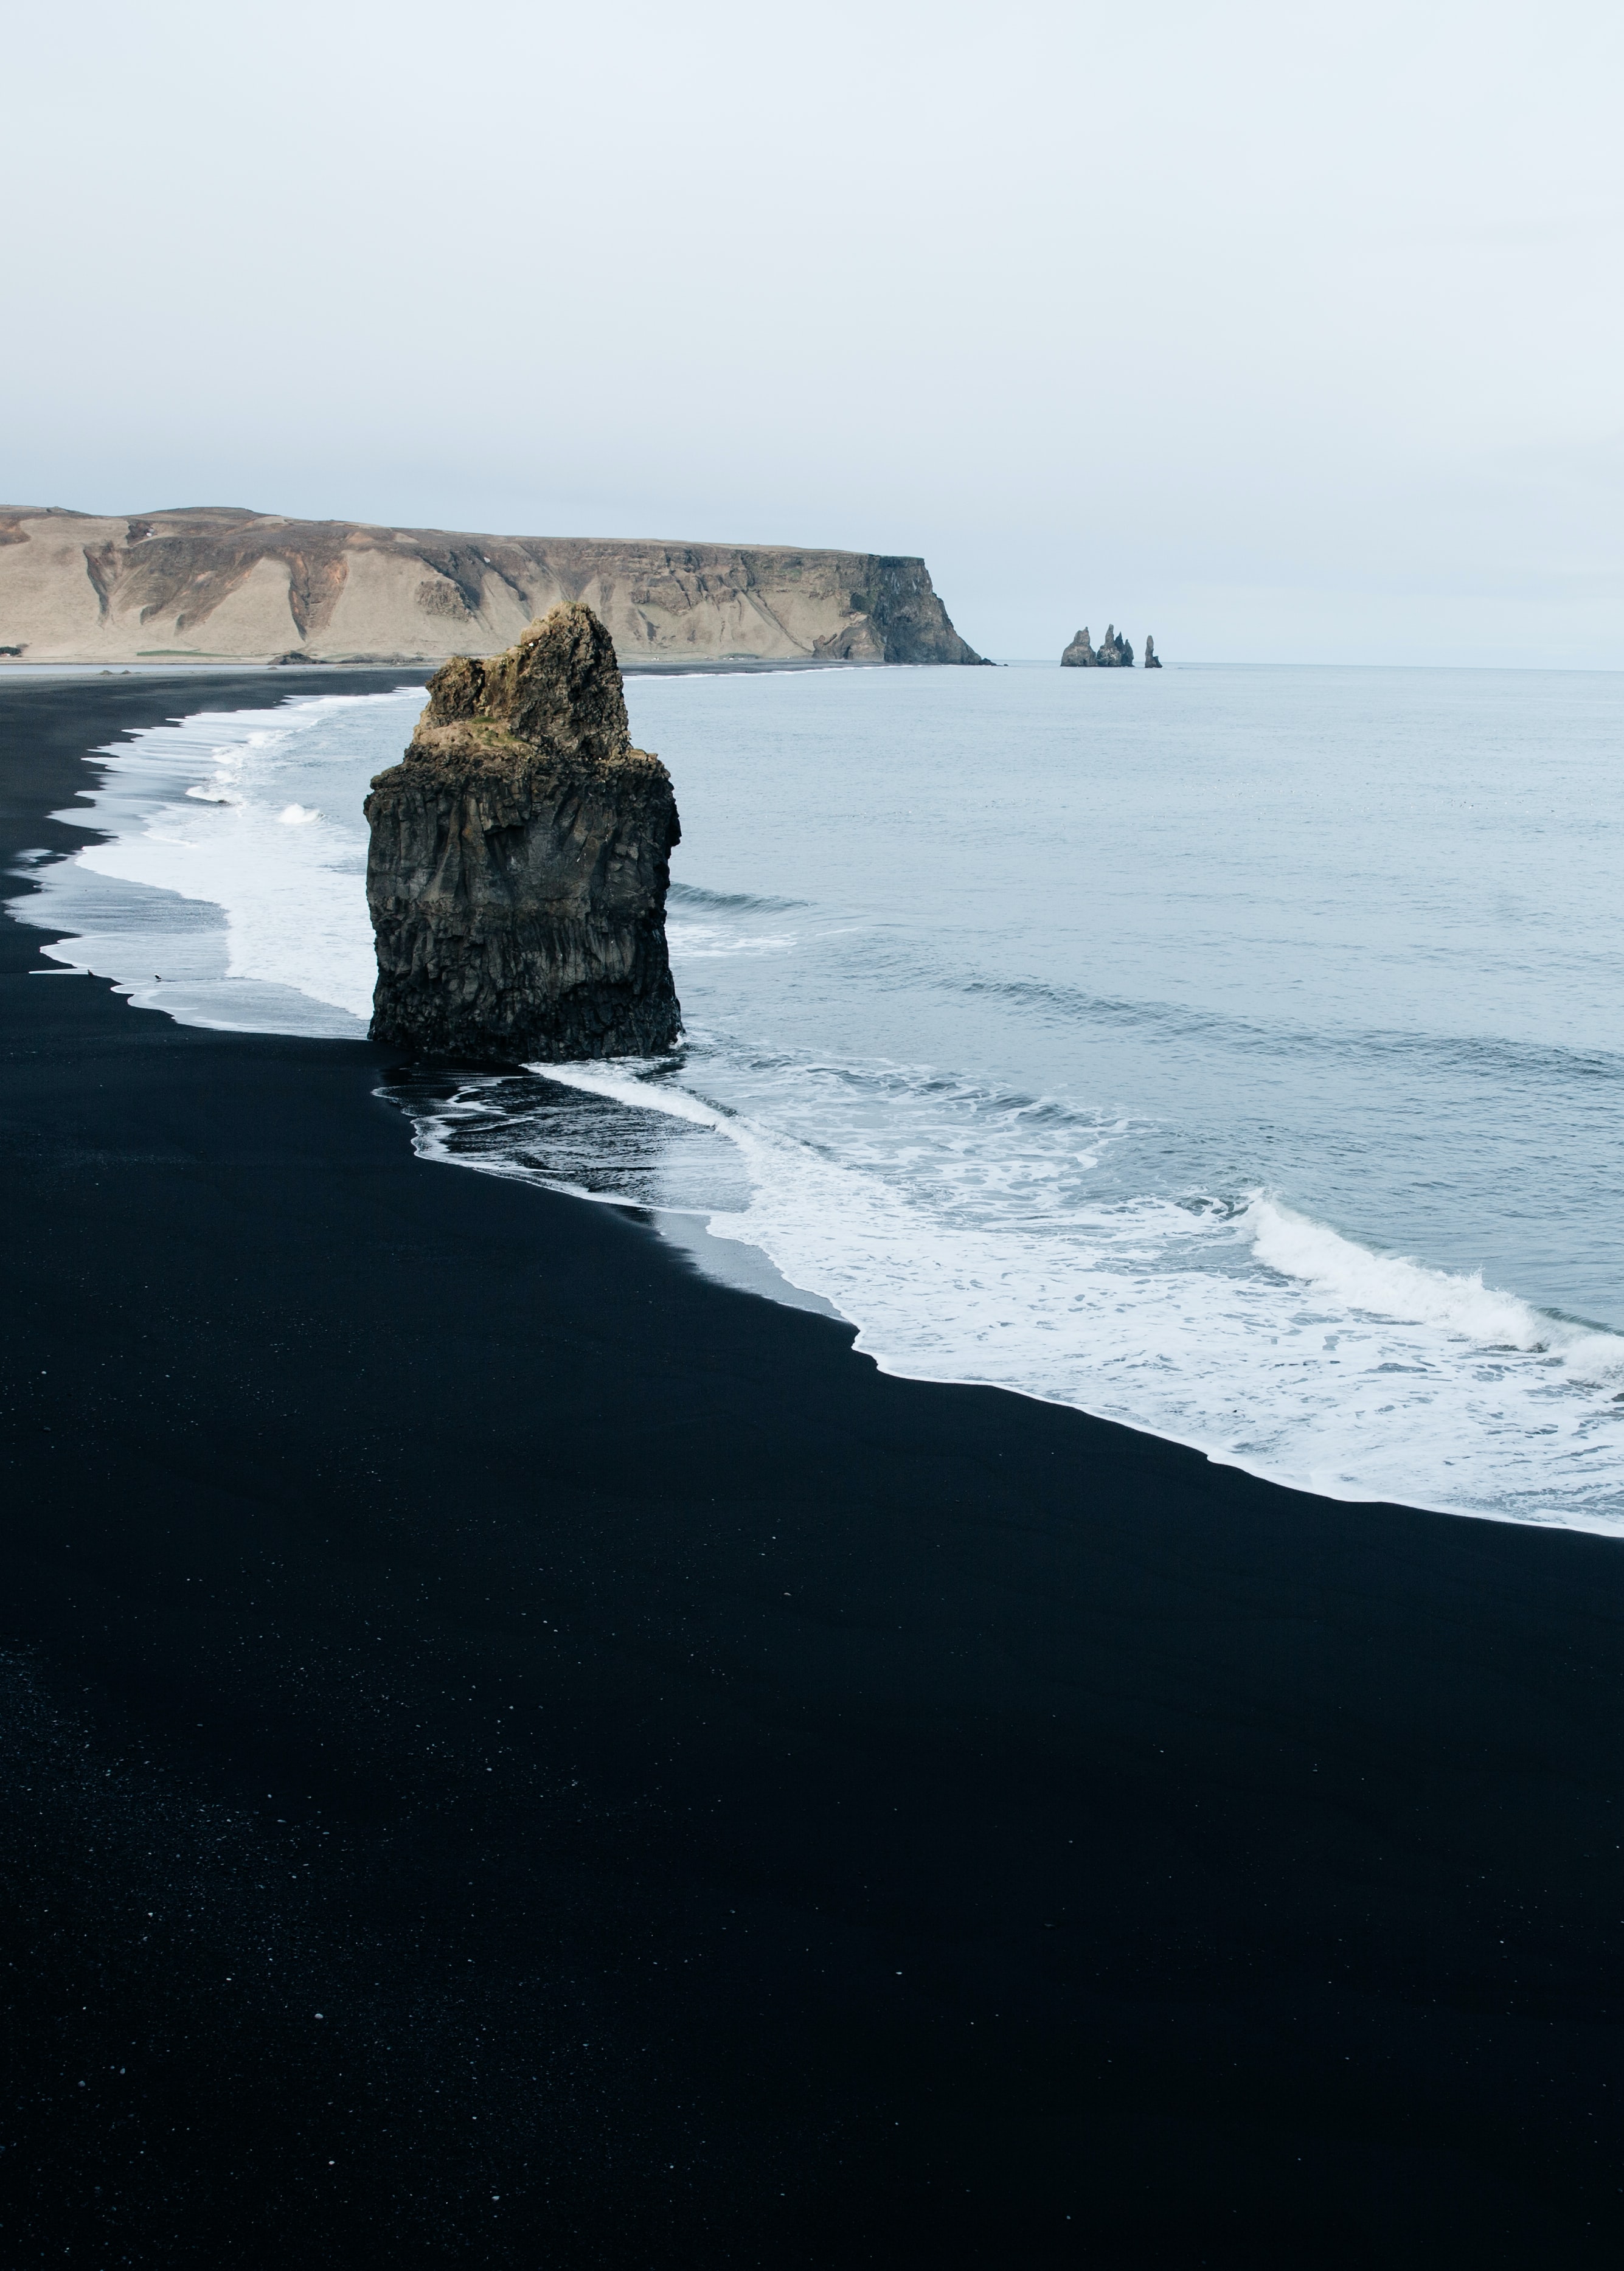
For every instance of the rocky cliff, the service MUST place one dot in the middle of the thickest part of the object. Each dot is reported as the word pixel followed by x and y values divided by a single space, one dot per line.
pixel 1113 652
pixel 519 859
pixel 212 582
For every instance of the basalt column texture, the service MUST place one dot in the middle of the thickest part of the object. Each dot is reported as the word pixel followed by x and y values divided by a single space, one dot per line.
pixel 520 860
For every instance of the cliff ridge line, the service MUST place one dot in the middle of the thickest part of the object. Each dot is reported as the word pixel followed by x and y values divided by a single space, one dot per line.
pixel 224 583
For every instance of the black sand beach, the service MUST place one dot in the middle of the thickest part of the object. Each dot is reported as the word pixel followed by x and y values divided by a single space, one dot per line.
pixel 512 1754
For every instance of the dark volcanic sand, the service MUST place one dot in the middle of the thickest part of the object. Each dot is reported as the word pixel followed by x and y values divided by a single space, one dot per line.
pixel 727 1806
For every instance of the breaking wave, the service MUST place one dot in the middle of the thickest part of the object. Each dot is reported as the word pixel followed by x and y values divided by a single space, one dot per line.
pixel 1239 1327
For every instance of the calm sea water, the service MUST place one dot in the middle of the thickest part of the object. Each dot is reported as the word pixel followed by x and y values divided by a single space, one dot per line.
pixel 1235 1053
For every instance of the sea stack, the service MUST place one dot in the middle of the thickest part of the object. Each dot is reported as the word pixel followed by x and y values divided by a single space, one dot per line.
pixel 1113 652
pixel 519 861
pixel 1153 661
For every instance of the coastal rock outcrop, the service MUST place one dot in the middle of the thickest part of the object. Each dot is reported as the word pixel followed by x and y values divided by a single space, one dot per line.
pixel 1114 651
pixel 1153 661
pixel 520 860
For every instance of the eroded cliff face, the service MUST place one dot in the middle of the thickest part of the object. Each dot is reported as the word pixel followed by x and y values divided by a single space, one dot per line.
pixel 218 582
pixel 520 860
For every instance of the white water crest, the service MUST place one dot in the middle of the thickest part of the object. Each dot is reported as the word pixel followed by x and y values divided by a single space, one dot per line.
pixel 1342 1371
pixel 248 908
pixel 1143 1058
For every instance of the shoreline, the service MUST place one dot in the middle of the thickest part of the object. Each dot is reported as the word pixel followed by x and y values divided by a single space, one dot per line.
pixel 934 1825
pixel 738 1263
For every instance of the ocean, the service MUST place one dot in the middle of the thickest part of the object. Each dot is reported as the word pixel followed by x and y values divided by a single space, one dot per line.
pixel 1230 1051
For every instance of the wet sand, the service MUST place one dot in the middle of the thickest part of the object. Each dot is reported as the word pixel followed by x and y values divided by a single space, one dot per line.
pixel 725 1805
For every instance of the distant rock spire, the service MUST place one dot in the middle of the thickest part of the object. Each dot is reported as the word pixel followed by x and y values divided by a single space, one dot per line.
pixel 1153 661
pixel 1113 652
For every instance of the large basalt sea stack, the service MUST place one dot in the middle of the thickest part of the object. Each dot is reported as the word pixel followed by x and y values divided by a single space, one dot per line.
pixel 519 861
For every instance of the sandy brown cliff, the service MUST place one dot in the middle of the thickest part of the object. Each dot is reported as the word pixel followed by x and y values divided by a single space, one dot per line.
pixel 215 582
pixel 519 864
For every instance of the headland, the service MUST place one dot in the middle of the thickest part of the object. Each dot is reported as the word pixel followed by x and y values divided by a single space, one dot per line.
pixel 221 584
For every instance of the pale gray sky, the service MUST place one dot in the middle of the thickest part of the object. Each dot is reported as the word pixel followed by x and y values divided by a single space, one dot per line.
pixel 1287 330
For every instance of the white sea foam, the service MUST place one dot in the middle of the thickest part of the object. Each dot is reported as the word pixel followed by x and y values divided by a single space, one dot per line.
pixel 701 941
pixel 1365 1376
pixel 1391 1285
pixel 200 820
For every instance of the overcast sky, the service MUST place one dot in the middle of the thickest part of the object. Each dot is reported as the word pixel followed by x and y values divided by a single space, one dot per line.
pixel 1289 331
